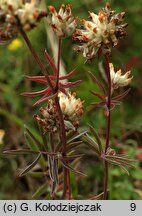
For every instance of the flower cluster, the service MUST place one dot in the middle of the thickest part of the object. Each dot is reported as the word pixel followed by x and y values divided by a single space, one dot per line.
pixel 15 44
pixel 101 33
pixel 63 23
pixel 18 13
pixel 2 133
pixel 117 79
pixel 72 110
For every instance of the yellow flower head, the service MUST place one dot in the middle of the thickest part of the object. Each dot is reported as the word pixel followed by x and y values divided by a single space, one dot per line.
pixel 15 44
pixel 2 133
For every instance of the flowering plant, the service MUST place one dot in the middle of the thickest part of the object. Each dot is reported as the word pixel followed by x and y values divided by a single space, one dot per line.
pixel 59 120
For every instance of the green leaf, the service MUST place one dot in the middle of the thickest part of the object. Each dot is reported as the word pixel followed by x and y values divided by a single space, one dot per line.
pixel 73 185
pixel 121 160
pixel 33 138
pixel 31 143
pixel 94 132
pixel 72 169
pixel 50 165
pixel 36 174
pixel 20 152
pixel 41 190
pixel 73 145
pixel 29 167
pixel 77 136
pixel 53 172
pixel 118 164
pixel 92 144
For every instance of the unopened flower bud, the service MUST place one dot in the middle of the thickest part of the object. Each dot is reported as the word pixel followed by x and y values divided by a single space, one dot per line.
pixel 63 23
pixel 118 79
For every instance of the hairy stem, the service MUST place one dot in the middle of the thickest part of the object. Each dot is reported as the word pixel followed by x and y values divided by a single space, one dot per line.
pixel 62 125
pixel 108 126
pixel 63 141
pixel 36 57
pixel 58 62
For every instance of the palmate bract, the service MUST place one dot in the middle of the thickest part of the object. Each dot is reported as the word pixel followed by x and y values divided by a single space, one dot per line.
pixel 49 92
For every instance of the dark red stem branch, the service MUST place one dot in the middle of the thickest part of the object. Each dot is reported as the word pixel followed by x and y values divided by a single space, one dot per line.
pixel 108 126
pixel 58 62
pixel 63 141
pixel 37 59
pixel 61 121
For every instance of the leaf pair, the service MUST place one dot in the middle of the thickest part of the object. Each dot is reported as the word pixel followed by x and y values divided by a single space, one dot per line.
pixel 115 101
pixel 94 144
pixel 51 89
pixel 118 159
pixel 121 161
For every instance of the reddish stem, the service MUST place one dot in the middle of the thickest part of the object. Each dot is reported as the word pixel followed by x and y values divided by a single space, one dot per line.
pixel 37 59
pixel 108 126
pixel 62 125
pixel 63 141
pixel 58 62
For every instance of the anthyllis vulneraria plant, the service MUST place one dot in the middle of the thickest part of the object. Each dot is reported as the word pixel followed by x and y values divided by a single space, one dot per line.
pixel 59 119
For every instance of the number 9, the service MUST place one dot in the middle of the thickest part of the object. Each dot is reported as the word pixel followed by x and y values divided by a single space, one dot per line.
pixel 133 206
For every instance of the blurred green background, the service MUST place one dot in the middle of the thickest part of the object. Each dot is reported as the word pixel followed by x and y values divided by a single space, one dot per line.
pixel 15 110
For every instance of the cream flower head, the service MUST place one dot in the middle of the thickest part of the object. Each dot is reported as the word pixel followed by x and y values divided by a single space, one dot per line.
pixel 71 107
pixel 101 33
pixel 10 5
pixel 119 80
pixel 29 14
pixel 72 110
pixel 18 13
pixel 63 23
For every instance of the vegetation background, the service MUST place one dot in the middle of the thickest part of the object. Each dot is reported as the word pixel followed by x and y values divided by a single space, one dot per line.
pixel 15 110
